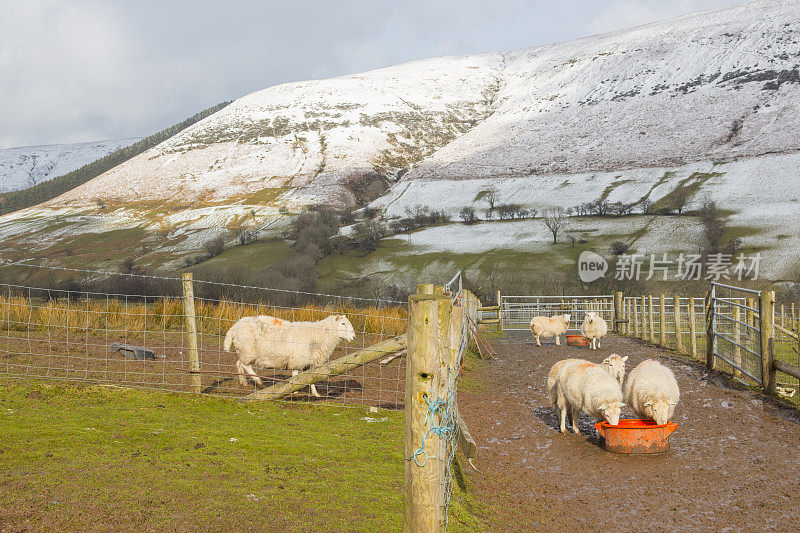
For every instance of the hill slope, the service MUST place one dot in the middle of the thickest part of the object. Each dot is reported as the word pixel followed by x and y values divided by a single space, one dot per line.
pixel 708 101
pixel 26 166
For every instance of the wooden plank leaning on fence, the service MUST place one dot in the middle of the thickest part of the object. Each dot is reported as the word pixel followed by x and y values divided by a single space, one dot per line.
pixel 331 368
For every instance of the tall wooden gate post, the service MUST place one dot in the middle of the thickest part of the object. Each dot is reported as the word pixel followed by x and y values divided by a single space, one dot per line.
pixel 427 368
pixel 191 331
pixel 618 312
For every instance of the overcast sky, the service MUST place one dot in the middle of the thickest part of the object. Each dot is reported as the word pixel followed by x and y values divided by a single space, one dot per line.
pixel 74 71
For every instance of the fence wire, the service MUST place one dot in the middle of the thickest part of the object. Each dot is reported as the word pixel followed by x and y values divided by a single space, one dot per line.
pixel 142 341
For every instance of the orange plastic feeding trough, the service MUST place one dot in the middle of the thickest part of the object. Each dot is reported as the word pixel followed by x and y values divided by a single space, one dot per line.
pixel 577 340
pixel 636 435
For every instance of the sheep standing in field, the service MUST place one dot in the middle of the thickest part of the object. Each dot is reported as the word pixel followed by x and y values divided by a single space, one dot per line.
pixel 615 366
pixel 549 326
pixel 584 387
pixel 594 328
pixel 268 342
pixel 652 391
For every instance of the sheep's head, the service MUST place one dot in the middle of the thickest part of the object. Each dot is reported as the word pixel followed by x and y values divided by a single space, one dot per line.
pixel 658 409
pixel 589 318
pixel 615 366
pixel 611 411
pixel 344 328
pixel 566 318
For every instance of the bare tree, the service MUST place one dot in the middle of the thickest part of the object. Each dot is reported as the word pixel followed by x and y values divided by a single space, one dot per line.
pixel 646 206
pixel 680 198
pixel 491 196
pixel 555 218
pixel 468 215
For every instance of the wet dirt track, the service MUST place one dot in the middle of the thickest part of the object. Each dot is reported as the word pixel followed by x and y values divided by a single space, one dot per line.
pixel 734 463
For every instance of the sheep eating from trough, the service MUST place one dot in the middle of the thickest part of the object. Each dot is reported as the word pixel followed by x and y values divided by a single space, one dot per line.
pixel 614 365
pixel 552 326
pixel 652 391
pixel 268 342
pixel 594 328
pixel 584 387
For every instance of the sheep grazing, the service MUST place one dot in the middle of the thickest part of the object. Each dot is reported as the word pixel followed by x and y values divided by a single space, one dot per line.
pixel 553 326
pixel 268 342
pixel 615 366
pixel 584 387
pixel 594 328
pixel 652 391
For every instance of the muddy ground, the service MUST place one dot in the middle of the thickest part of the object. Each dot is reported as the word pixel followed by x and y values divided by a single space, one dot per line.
pixel 734 462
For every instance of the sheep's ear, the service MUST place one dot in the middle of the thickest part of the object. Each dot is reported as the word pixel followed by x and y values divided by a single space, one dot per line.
pixel 603 407
pixel 624 358
pixel 648 403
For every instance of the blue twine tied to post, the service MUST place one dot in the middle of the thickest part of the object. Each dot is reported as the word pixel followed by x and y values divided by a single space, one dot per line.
pixel 442 430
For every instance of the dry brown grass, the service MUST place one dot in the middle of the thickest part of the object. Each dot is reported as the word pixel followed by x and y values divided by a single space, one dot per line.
pixel 166 314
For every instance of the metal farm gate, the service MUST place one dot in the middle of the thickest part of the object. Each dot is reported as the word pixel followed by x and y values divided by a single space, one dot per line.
pixel 734 318
pixel 516 312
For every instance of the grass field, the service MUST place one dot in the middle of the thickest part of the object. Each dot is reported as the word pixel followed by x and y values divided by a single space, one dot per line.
pixel 75 457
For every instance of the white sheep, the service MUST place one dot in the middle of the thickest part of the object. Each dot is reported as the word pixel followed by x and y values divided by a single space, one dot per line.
pixel 615 366
pixel 584 387
pixel 652 391
pixel 594 328
pixel 269 342
pixel 552 326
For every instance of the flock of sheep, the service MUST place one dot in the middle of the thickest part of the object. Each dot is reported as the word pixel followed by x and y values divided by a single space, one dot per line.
pixel 577 386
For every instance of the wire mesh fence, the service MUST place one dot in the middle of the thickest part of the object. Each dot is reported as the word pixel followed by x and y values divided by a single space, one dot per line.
pixel 787 346
pixel 143 341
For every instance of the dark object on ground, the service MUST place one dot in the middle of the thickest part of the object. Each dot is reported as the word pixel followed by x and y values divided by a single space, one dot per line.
pixel 133 352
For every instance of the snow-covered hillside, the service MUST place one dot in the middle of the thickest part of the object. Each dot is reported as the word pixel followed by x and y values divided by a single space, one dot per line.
pixel 714 86
pixel 25 166
pixel 709 100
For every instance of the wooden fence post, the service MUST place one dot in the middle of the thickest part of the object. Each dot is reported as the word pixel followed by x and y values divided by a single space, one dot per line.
pixel 737 337
pixel 618 312
pixel 651 316
pixel 767 317
pixel 644 317
pixel 710 358
pixel 692 329
pixel 191 332
pixel 428 343
pixel 499 312
pixel 635 305
pixel 662 319
pixel 425 288
pixel 678 323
